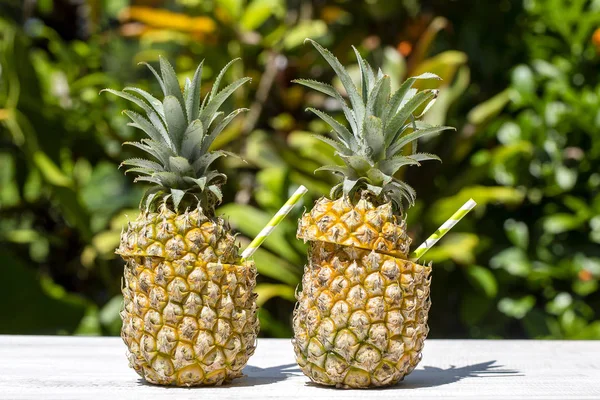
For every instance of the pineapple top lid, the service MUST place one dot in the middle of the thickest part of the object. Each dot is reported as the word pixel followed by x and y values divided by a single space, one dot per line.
pixel 382 124
pixel 180 131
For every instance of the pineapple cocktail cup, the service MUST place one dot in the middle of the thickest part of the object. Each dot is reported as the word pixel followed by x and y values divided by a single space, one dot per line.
pixel 361 317
pixel 190 311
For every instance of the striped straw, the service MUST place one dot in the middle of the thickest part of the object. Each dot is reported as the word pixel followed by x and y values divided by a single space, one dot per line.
pixel 442 230
pixel 277 218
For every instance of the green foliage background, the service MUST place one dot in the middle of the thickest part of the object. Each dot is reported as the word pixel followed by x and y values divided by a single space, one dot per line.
pixel 521 84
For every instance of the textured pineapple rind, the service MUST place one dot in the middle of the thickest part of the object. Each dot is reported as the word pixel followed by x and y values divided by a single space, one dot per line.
pixel 361 319
pixel 189 316
pixel 363 225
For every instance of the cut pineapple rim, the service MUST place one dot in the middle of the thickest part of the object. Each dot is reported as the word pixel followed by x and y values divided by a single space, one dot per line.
pixel 383 253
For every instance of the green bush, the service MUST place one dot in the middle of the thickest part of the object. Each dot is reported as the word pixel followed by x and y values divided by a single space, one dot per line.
pixel 525 101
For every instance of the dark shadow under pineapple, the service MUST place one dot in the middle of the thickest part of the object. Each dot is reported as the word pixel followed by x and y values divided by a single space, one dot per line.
pixel 361 317
pixel 190 312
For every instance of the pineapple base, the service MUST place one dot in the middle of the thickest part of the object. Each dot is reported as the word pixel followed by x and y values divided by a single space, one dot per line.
pixel 190 312
pixel 361 319
pixel 192 330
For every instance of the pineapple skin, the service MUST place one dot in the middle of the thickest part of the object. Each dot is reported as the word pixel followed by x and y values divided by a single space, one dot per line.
pixel 363 225
pixel 361 317
pixel 189 317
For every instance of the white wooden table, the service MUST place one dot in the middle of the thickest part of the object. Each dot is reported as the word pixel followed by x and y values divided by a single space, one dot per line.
pixel 44 367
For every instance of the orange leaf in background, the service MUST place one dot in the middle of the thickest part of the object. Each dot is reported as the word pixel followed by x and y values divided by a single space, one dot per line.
pixel 584 274
pixel 405 48
pixel 164 19
pixel 596 39
pixel 331 14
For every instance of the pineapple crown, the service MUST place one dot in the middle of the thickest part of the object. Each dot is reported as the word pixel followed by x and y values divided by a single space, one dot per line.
pixel 382 125
pixel 180 131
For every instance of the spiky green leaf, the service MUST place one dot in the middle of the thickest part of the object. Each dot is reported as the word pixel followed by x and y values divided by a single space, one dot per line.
pixel 168 179
pixel 180 166
pixel 358 163
pixel 330 91
pixel 171 83
pixel 336 169
pixel 341 132
pixel 397 122
pixel 214 189
pixel 143 163
pixel 208 112
pixel 192 139
pixel 202 164
pixel 153 101
pixel 150 129
pixel 176 120
pixel 392 165
pixel 339 147
pixel 398 96
pixel 157 76
pixel 177 195
pixel 358 106
pixel 208 140
pixel 424 157
pixel 192 95
pixel 367 78
pixel 217 83
pixel 397 146
pixel 374 137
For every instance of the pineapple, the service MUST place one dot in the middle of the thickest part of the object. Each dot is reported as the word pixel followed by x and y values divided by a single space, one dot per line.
pixel 361 317
pixel 190 312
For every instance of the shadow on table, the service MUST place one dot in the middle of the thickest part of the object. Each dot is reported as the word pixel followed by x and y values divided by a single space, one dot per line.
pixel 253 376
pixel 433 376
pixel 263 376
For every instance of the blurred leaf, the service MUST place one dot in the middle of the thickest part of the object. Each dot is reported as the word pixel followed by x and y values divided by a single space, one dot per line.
pixel 445 65
pixel 267 291
pixel 109 315
pixel 516 308
pixel 89 324
pixel 483 195
pixel 513 260
pixel 560 303
pixel 50 171
pixel 39 311
pixel 566 177
pixel 517 232
pixel 272 326
pixel 232 7
pixel 164 19
pixel 258 11
pixel 250 221
pixel 474 306
pixel 482 279
pixel 458 247
pixel 559 223
pixel 274 267
pixel 489 109
pixel 313 29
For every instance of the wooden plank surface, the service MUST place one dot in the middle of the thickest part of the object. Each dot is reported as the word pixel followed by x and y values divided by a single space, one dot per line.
pixel 43 367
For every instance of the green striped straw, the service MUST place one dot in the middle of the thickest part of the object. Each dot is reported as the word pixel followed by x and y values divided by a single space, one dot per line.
pixel 277 218
pixel 442 230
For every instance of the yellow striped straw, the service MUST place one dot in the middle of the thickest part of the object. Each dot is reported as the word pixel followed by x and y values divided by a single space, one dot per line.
pixel 277 218
pixel 442 230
